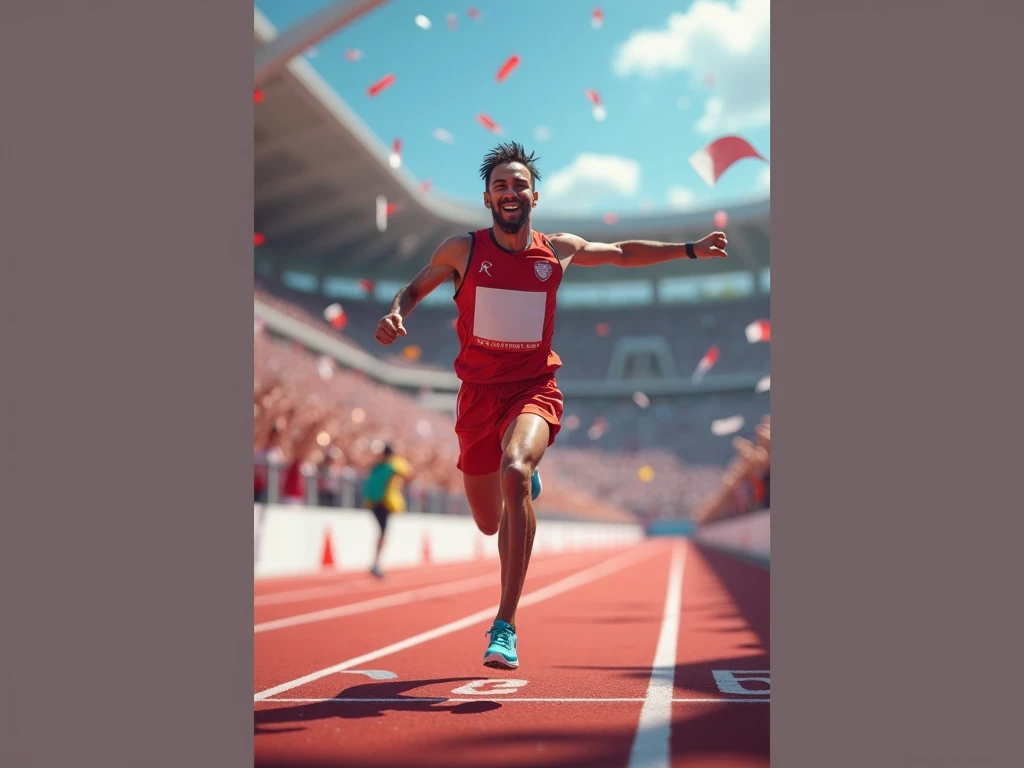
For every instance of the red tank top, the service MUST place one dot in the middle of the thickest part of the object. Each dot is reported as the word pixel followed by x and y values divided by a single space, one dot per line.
pixel 506 304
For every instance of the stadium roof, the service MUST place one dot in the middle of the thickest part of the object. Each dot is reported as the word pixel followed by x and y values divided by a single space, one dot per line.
pixel 318 171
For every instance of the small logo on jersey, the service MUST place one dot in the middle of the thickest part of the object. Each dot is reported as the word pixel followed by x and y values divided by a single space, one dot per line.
pixel 486 267
pixel 542 269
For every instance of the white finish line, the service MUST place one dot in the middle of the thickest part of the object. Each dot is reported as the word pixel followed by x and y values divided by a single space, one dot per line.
pixel 444 700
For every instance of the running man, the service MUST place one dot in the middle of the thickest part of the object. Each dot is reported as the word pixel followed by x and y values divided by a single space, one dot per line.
pixel 509 407
pixel 382 494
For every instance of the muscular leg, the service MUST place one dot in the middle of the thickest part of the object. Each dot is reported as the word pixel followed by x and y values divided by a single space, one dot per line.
pixel 523 445
pixel 483 492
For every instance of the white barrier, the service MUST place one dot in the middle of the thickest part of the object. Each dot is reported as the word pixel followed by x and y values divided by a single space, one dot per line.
pixel 292 540
pixel 747 534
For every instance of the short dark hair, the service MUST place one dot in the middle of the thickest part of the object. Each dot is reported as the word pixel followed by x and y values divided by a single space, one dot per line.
pixel 513 152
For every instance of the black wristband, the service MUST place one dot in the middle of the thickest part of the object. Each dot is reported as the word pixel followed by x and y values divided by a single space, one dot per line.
pixel 689 251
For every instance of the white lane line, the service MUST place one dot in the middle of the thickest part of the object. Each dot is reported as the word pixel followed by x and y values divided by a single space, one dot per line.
pixel 441 700
pixel 651 744
pixel 400 577
pixel 400 598
pixel 578 579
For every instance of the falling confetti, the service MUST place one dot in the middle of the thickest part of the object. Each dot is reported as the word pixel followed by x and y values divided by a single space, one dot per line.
pixel 718 156
pixel 706 364
pixel 453 22
pixel 641 399
pixel 610 218
pixel 425 186
pixel 645 473
pixel 366 286
pixel 488 123
pixel 721 219
pixel 597 18
pixel 335 315
pixel 257 96
pixel 598 111
pixel 598 428
pixel 542 133
pixel 507 68
pixel 396 154
pixel 353 54
pixel 729 426
pixel 385 82
pixel 422 22
pixel 382 213
pixel 258 239
pixel 764 385
pixel 759 330
pixel 572 422
pixel 411 352
pixel 474 14
pixel 603 329
pixel 442 135
pixel 325 367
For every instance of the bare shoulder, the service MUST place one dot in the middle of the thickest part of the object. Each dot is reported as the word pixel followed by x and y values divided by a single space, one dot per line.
pixel 566 244
pixel 454 252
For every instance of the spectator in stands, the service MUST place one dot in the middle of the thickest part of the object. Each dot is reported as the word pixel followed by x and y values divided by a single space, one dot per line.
pixel 382 494
pixel 302 462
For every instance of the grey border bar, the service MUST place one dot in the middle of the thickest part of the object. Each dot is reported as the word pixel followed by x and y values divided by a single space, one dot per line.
pixel 127 221
pixel 896 277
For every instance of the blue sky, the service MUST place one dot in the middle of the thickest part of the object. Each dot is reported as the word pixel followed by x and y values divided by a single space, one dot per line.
pixel 649 62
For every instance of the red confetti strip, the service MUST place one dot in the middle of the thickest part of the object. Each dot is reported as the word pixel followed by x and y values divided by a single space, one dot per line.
pixel 258 239
pixel 507 67
pixel 257 97
pixel 385 82
pixel 488 123
pixel 721 219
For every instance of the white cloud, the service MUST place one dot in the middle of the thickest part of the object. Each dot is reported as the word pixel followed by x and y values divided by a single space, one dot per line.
pixel 729 40
pixel 681 198
pixel 591 178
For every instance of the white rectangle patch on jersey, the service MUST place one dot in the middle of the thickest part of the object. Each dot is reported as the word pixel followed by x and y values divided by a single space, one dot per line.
pixel 504 317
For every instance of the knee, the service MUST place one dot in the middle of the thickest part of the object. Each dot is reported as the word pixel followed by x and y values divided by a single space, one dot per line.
pixel 488 527
pixel 515 476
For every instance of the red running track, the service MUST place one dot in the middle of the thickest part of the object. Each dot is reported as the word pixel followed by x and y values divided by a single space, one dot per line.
pixel 653 655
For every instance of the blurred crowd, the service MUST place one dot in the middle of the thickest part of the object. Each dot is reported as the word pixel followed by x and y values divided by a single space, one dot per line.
pixel 746 486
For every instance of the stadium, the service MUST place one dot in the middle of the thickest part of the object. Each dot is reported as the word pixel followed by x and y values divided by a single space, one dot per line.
pixel 652 529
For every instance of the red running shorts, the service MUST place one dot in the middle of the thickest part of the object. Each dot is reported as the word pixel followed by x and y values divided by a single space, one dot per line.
pixel 484 411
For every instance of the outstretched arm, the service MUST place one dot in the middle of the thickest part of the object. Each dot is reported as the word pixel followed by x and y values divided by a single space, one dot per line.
pixel 443 264
pixel 635 253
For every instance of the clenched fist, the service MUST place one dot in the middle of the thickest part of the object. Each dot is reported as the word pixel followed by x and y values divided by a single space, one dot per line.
pixel 390 328
pixel 711 247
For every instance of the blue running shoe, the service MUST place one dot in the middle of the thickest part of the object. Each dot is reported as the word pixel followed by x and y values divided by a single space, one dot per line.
pixel 535 485
pixel 501 653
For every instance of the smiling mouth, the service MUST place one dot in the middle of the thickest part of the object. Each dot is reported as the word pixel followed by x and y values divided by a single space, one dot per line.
pixel 511 208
